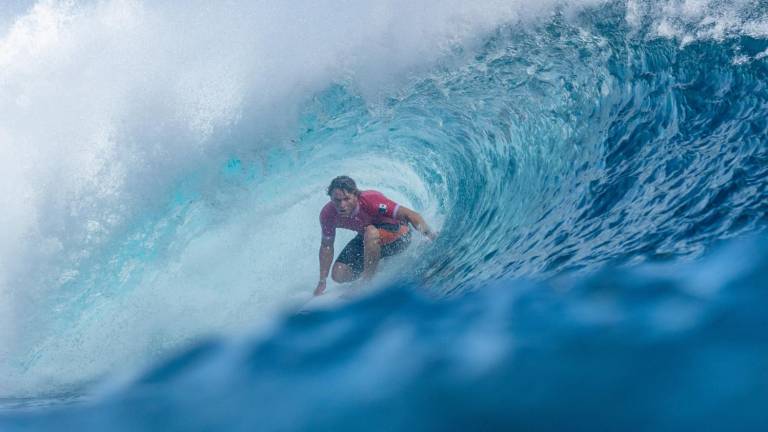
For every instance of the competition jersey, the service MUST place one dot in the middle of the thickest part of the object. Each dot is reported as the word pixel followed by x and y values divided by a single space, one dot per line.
pixel 372 208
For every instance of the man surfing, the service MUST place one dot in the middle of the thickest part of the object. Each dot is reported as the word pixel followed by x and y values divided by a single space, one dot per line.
pixel 381 225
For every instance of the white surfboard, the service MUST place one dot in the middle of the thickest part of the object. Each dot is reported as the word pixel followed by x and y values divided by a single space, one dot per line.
pixel 331 297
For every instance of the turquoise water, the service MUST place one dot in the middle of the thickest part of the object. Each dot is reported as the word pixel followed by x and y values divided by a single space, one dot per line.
pixel 588 165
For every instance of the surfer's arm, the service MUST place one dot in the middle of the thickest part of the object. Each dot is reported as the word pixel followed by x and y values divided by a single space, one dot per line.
pixel 326 258
pixel 407 215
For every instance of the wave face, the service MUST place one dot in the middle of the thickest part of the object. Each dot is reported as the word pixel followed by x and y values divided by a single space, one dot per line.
pixel 179 199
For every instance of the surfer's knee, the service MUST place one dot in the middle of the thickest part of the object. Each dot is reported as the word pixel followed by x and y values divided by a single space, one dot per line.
pixel 341 273
pixel 338 273
pixel 336 276
pixel 371 234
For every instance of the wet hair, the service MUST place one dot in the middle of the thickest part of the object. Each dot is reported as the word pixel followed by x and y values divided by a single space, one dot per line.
pixel 344 183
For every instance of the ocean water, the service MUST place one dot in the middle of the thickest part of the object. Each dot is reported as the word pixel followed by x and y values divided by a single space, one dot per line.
pixel 598 172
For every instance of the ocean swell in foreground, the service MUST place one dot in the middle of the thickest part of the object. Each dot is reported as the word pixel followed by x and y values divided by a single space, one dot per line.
pixel 660 347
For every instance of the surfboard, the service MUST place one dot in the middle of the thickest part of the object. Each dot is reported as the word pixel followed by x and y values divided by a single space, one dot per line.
pixel 331 297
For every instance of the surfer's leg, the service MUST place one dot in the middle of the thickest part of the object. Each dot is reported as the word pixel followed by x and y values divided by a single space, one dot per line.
pixel 349 264
pixel 396 246
pixel 342 273
pixel 371 251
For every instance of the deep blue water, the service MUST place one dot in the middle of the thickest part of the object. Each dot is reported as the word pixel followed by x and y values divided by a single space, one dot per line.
pixel 600 181
pixel 658 347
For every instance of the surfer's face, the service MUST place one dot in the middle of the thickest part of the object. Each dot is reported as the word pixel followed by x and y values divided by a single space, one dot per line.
pixel 345 202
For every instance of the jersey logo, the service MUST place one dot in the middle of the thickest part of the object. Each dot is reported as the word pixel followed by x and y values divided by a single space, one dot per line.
pixel 382 209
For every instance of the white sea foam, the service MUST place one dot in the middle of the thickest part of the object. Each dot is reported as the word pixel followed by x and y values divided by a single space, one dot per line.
pixel 695 20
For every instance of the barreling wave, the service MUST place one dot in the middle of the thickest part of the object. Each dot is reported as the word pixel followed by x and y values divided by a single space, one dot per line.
pixel 572 143
pixel 539 140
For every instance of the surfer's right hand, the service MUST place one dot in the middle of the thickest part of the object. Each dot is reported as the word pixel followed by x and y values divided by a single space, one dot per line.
pixel 320 288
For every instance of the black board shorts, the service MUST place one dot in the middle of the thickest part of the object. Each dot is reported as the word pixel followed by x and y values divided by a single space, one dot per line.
pixel 352 254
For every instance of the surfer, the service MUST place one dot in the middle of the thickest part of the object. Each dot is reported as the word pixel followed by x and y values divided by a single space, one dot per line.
pixel 381 225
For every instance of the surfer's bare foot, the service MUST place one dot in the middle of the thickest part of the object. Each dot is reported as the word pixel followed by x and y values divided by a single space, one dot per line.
pixel 320 289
